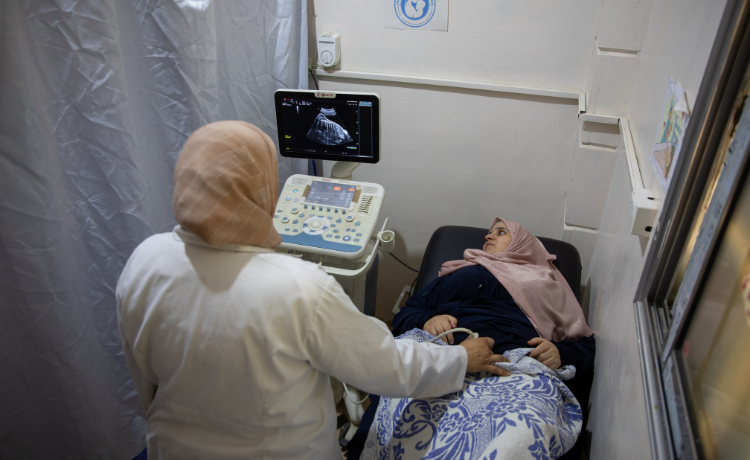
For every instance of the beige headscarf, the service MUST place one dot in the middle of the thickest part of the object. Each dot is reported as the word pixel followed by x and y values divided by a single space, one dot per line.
pixel 226 185
pixel 525 269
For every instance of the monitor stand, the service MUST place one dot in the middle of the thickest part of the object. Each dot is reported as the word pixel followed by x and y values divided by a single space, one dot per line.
pixel 343 170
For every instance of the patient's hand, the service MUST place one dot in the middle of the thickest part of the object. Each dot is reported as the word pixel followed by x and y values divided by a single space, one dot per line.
pixel 439 324
pixel 481 356
pixel 545 352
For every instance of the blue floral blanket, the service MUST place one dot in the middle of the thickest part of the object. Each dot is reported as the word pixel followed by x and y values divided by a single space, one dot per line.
pixel 530 414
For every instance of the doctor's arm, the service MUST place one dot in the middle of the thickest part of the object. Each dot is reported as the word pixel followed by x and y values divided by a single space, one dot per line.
pixel 361 351
pixel 145 388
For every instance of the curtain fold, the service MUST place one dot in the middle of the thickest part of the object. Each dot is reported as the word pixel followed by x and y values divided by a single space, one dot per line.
pixel 97 99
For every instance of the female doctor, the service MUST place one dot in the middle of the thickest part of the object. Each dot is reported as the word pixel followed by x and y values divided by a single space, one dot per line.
pixel 231 344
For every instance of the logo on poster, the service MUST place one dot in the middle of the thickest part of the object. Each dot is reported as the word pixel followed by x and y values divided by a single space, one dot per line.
pixel 414 13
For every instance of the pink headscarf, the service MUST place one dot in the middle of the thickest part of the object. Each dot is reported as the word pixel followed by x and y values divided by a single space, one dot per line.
pixel 525 269
pixel 226 185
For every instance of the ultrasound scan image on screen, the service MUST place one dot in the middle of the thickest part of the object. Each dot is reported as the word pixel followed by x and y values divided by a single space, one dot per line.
pixel 328 129
pixel 337 129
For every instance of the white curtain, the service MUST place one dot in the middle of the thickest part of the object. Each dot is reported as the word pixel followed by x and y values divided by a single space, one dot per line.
pixel 96 99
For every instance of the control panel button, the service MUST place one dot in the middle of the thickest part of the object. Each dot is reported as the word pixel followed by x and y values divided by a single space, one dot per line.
pixel 359 234
pixel 337 236
pixel 356 239
pixel 328 235
pixel 295 210
pixel 333 225
pixel 284 219
pixel 288 198
pixel 338 221
pixel 305 206
pixel 295 230
pixel 294 191
pixel 349 218
pixel 296 200
pixel 295 221
pixel 302 215
pixel 343 212
pixel 356 224
pixel 347 238
pixel 335 231
pixel 278 211
pixel 286 229
pixel 328 209
pixel 336 211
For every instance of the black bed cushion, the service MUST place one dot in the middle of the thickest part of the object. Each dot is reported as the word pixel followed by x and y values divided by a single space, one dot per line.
pixel 449 243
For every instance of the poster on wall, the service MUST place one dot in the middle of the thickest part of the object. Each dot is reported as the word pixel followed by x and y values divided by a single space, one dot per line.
pixel 674 119
pixel 415 14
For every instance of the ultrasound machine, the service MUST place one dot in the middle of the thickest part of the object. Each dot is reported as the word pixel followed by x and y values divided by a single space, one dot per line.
pixel 333 221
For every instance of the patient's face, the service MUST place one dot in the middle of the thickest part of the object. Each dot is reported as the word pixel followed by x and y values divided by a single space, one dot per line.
pixel 497 239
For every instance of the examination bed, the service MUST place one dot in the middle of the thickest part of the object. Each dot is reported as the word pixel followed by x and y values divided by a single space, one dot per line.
pixel 448 243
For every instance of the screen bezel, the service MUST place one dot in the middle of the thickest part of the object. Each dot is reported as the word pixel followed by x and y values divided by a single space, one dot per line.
pixel 373 98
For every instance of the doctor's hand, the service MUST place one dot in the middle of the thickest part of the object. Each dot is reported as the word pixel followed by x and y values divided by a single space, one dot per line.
pixel 439 324
pixel 481 356
pixel 545 352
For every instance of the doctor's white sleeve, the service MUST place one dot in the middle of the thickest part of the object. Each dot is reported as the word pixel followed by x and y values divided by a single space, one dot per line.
pixel 145 388
pixel 360 350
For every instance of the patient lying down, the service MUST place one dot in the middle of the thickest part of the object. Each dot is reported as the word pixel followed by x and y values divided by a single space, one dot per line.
pixel 511 292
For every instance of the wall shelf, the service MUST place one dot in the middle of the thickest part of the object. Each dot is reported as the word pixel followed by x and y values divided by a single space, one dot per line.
pixel 580 97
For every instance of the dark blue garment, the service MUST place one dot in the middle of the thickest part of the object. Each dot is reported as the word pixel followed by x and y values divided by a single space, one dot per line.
pixel 481 304
pixel 477 300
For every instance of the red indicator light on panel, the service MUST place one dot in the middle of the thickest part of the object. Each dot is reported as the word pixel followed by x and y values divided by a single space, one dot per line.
pixel 337 188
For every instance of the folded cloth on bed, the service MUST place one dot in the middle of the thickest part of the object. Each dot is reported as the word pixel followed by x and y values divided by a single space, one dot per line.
pixel 529 414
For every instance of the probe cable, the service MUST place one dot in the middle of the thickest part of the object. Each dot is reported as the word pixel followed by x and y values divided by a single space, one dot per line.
pixel 473 335
pixel 402 263
pixel 346 392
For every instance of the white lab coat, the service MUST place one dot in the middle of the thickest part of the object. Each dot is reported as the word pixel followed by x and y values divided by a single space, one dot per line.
pixel 231 350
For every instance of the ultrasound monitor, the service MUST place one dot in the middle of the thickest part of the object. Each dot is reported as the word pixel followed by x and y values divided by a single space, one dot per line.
pixel 326 125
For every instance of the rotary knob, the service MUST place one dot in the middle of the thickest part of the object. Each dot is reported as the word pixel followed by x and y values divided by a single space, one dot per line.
pixel 326 57
pixel 349 218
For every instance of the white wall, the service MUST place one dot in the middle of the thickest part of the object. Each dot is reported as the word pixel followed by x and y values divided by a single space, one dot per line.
pixel 617 422
pixel 535 43
pixel 615 56
pixel 677 44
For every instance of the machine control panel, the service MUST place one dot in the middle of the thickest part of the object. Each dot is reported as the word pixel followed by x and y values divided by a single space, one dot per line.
pixel 332 217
